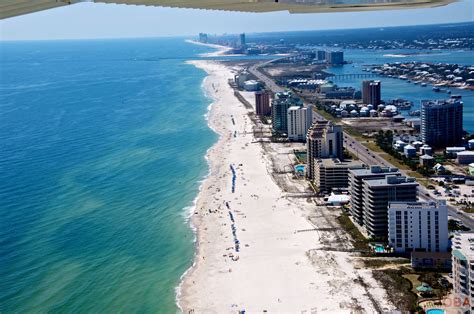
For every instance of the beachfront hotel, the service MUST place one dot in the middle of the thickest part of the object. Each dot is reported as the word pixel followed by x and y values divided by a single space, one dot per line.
pixel 299 121
pixel 441 122
pixel 323 140
pixel 418 226
pixel 356 180
pixel 463 270
pixel 262 103
pixel 377 193
pixel 280 106
pixel 333 173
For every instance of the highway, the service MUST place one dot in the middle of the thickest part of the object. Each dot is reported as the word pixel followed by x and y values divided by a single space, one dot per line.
pixel 364 154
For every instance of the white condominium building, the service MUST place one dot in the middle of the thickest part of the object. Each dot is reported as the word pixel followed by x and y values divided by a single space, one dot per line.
pixel 463 271
pixel 418 226
pixel 299 121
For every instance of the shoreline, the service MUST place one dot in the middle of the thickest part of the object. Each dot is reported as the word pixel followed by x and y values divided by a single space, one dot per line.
pixel 189 215
pixel 274 259
pixel 221 50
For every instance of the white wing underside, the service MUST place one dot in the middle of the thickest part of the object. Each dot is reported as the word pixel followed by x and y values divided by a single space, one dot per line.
pixel 10 8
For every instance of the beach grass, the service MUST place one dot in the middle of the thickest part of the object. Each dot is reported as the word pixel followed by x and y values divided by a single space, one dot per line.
pixel 360 242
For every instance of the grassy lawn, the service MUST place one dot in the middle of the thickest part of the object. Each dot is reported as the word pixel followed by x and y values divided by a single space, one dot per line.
pixel 327 115
pixel 417 175
pixel 354 133
pixel 469 210
pixel 394 161
pixel 351 155
pixel 423 181
pixel 377 263
pixel 373 147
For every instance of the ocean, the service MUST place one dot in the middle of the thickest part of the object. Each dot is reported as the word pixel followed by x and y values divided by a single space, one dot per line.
pixel 102 147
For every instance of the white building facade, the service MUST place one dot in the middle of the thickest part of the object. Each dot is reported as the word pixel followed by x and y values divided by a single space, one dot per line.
pixel 463 271
pixel 418 226
pixel 299 121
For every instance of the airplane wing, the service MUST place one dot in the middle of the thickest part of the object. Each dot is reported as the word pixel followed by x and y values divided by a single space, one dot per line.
pixel 10 8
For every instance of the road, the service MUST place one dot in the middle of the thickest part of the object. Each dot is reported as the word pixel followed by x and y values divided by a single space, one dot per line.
pixel 364 154
pixel 269 83
pixel 369 157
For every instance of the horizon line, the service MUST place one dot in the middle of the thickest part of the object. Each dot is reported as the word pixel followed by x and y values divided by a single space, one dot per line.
pixel 229 34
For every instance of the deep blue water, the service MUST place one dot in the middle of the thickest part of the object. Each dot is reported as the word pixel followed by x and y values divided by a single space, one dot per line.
pixel 102 148
pixel 395 88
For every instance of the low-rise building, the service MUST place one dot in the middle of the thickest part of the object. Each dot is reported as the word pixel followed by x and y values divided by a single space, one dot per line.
pixel 241 78
pixel 465 157
pixel 337 199
pixel 332 173
pixel 327 87
pixel 471 169
pixel 418 226
pixel 399 145
pixel 409 151
pixel 251 85
pixel 431 260
pixel 417 144
pixel 439 168
pixel 453 151
pixel 470 144
pixel 427 161
pixel 426 150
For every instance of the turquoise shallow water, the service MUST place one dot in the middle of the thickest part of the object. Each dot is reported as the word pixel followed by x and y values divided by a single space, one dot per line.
pixel 102 149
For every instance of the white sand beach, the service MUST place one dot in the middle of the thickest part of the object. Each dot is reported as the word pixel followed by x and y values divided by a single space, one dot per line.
pixel 277 268
pixel 221 50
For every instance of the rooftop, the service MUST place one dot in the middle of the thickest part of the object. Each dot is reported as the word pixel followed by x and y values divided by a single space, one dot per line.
pixel 438 103
pixel 466 153
pixel 294 108
pixel 421 205
pixel 335 163
pixel 391 180
pixel 463 245
pixel 442 255
pixel 338 198
pixel 375 170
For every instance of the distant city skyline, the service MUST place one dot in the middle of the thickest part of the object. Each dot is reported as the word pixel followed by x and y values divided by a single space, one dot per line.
pixel 96 21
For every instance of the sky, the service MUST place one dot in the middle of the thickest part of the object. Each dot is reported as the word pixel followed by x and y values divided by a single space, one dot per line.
pixel 91 20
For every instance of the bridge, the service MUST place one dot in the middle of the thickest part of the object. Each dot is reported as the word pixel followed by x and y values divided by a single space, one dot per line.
pixel 351 76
